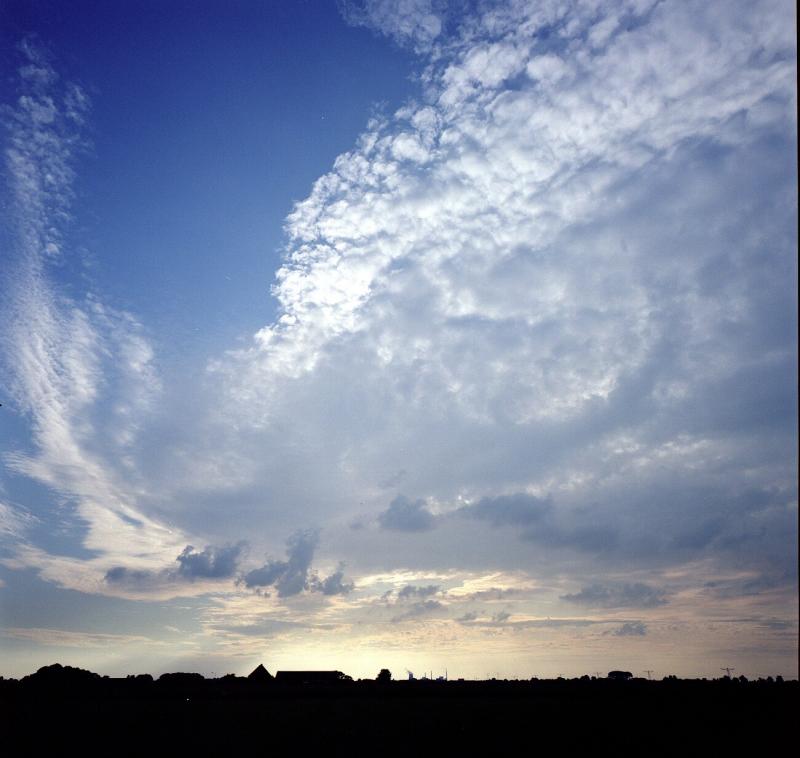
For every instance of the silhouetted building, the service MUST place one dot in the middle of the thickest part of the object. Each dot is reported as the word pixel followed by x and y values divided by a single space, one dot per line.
pixel 260 675
pixel 311 677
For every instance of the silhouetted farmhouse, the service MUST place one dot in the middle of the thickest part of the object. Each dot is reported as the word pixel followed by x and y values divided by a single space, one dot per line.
pixel 311 677
pixel 260 675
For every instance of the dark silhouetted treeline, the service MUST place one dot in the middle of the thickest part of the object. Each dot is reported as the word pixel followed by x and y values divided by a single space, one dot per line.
pixel 330 713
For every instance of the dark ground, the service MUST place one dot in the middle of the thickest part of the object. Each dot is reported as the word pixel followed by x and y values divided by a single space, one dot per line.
pixel 101 716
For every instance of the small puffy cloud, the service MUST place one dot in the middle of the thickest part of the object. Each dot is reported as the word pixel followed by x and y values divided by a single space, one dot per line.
pixel 289 577
pixel 294 575
pixel 266 575
pixel 404 515
pixel 210 563
pixel 335 584
pixel 636 595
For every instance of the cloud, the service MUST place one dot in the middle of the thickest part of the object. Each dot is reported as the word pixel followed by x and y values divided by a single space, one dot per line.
pixel 414 22
pixel 501 620
pixel 128 576
pixel 554 292
pixel 335 584
pixel 78 639
pixel 550 291
pixel 419 609
pixel 211 563
pixel 403 515
pixel 509 510
pixel 289 577
pixel 293 576
pixel 635 595
pixel 79 373
pixel 411 591
pixel 14 522
pixel 493 593
pixel 631 629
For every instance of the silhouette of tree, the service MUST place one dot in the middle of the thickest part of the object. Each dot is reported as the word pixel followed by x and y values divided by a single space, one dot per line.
pixel 384 676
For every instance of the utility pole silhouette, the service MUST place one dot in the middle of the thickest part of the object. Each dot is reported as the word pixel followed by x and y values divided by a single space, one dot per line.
pixel 727 670
pixel 649 673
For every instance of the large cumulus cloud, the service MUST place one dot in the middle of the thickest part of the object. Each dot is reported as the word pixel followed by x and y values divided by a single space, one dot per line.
pixel 561 275
pixel 541 318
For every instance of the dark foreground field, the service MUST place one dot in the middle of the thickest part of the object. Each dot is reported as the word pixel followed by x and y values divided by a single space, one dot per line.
pixel 229 716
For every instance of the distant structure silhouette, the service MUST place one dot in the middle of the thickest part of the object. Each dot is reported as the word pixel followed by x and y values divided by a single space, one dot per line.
pixel 260 675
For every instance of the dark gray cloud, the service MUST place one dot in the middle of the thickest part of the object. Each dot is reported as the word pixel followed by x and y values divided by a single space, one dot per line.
pixel 509 510
pixel 750 586
pixel 121 575
pixel 294 575
pixel 411 591
pixel 538 520
pixel 210 563
pixel 266 575
pixel 335 584
pixel 404 515
pixel 289 577
pixel 631 629
pixel 636 595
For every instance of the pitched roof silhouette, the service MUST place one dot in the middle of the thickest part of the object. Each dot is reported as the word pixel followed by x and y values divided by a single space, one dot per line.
pixel 260 674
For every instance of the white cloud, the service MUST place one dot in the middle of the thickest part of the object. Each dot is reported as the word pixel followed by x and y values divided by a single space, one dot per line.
pixel 558 247
pixel 79 371
pixel 414 22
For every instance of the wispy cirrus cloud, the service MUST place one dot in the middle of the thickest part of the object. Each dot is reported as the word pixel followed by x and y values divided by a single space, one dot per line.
pixel 79 371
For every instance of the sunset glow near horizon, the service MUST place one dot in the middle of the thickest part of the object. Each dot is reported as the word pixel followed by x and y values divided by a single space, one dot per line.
pixel 424 335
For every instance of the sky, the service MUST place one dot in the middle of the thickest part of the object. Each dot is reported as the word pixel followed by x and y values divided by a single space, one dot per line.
pixel 416 334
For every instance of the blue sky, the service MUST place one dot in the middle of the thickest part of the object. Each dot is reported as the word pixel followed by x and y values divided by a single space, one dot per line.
pixel 207 124
pixel 402 334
